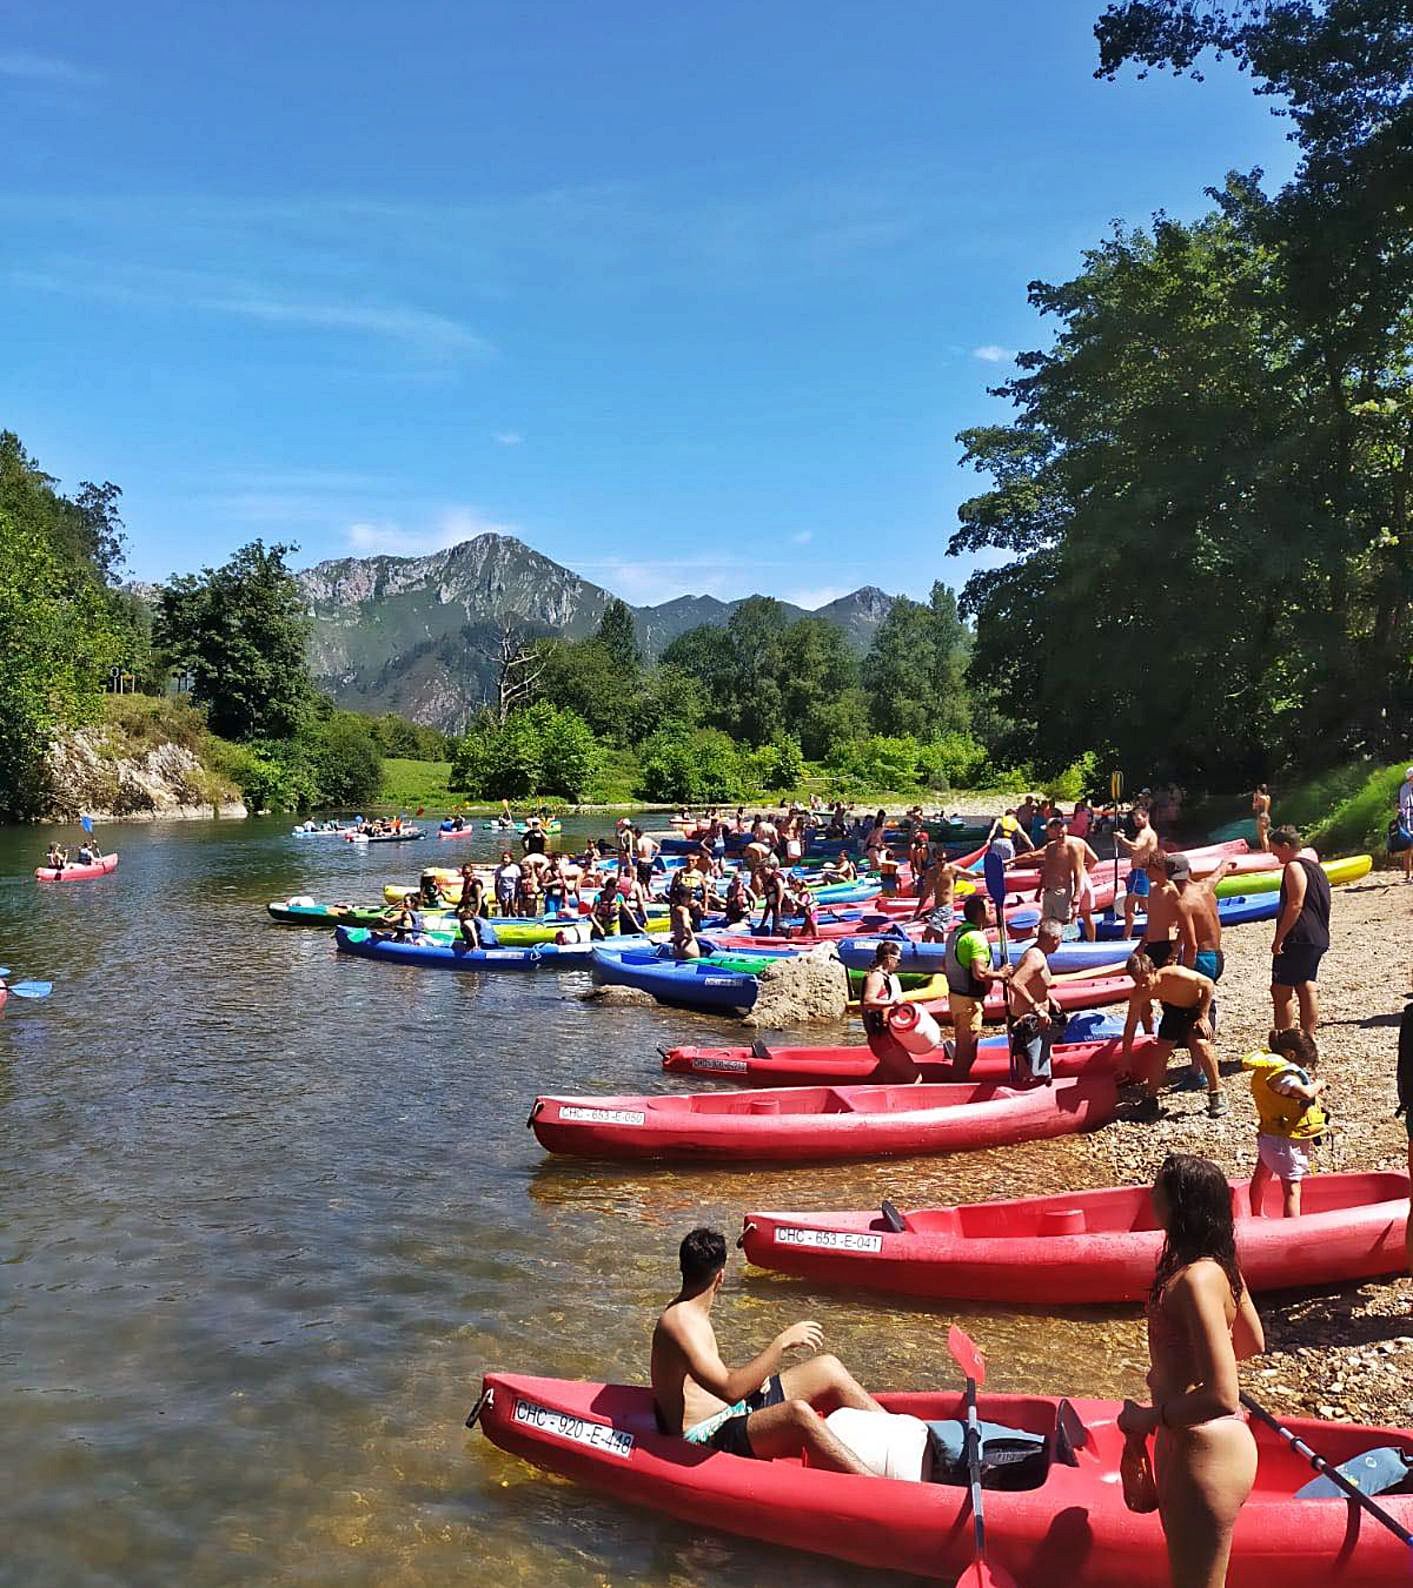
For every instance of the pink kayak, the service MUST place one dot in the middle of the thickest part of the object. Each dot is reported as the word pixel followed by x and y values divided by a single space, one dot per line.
pixel 853 1065
pixel 819 1123
pixel 1084 1246
pixel 76 873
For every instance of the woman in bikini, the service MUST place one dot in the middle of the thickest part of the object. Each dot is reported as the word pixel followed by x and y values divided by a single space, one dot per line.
pixel 1200 1324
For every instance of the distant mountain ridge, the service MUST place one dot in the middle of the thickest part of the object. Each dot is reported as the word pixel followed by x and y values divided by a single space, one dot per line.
pixel 414 634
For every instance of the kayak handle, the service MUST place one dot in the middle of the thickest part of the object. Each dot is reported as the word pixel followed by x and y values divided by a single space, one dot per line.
pixel 484 1399
pixel 535 1112
pixel 746 1229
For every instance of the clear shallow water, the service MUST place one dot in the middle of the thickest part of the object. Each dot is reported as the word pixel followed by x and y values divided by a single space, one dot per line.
pixel 266 1214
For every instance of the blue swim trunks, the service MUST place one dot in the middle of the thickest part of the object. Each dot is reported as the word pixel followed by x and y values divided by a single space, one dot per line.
pixel 1138 884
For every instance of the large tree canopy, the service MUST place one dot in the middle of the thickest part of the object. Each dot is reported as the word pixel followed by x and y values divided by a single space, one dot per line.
pixel 1207 481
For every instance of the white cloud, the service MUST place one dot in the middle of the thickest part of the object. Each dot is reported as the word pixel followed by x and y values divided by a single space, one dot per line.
pixel 803 537
pixel 508 438
pixel 990 353
pixel 31 67
pixel 384 537
pixel 149 286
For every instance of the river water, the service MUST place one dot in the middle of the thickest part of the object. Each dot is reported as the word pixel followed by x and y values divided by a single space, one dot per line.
pixel 269 1212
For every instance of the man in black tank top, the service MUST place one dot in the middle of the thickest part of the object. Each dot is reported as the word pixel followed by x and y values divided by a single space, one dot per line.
pixel 1302 933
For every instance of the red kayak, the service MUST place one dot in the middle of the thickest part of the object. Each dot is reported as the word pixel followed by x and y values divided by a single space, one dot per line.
pixel 794 1125
pixel 843 1066
pixel 1093 992
pixel 1071 1531
pixel 1084 1246
pixel 99 868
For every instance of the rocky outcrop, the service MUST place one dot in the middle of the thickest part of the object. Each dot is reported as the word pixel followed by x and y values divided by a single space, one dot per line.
pixel 619 997
pixel 90 773
pixel 802 991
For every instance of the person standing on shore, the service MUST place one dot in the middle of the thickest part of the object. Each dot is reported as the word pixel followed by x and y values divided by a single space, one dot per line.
pixel 969 975
pixel 1141 849
pixel 1261 809
pixel 882 992
pixel 1302 934
pixel 1201 1323
pixel 1035 1019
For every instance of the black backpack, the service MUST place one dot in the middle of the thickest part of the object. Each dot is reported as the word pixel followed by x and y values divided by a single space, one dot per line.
pixel 1405 1061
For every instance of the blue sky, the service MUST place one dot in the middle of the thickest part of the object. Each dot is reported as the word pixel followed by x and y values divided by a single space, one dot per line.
pixel 690 297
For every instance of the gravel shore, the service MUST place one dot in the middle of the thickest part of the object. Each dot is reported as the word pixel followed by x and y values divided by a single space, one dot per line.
pixel 1346 1353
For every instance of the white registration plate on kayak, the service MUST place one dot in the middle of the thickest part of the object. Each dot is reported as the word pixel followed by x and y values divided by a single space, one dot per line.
pixel 578 1431
pixel 828 1240
pixel 603 1116
pixel 721 981
pixel 719 1066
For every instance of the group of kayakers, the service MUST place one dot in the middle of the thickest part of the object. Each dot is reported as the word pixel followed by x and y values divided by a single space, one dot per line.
pixel 57 859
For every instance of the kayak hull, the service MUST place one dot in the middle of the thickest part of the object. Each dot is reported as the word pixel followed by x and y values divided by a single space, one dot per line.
pixel 858 954
pixel 1083 1247
pixel 818 1124
pixel 856 1065
pixel 449 955
pixel 100 868
pixel 1072 1530
pixel 688 983
pixel 1350 869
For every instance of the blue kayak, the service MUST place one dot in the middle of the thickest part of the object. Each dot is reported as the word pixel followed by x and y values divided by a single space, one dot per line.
pixel 694 983
pixel 1237 911
pixel 448 953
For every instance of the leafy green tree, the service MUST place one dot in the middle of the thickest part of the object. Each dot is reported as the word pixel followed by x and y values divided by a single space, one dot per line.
pixel 582 676
pixel 708 654
pixel 817 669
pixel 57 645
pixel 571 755
pixel 690 767
pixel 665 694
pixel 241 631
pixel 348 763
pixel 915 672
pixel 619 638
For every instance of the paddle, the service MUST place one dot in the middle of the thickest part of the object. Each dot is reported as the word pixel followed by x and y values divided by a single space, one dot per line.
pixel 31 989
pixel 965 1354
pixel 1323 1467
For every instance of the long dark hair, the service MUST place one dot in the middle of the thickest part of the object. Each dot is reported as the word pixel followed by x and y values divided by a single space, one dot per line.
pixel 1198 1199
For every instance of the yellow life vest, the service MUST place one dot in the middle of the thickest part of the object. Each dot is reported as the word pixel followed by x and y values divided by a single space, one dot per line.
pixel 1291 1117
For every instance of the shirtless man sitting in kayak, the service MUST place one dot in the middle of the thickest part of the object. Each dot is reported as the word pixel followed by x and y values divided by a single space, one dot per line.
pixel 760 1411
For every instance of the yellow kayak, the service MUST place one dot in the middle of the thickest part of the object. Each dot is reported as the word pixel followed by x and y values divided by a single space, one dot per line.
pixel 1240 884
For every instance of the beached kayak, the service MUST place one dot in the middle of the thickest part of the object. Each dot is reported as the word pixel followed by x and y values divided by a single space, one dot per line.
pixel 1091 992
pixel 442 952
pixel 1084 1246
pixel 819 1123
pixel 1071 1530
pixel 1350 869
pixel 1238 911
pixel 855 1065
pixel 693 983
pixel 858 954
pixel 77 873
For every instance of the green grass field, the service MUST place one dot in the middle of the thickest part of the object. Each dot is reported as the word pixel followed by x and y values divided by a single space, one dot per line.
pixel 408 784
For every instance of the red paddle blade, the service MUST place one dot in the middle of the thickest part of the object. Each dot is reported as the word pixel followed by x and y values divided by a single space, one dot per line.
pixel 980 1575
pixel 966 1355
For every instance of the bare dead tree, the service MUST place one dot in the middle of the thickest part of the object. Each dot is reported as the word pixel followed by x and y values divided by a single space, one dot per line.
pixel 517 668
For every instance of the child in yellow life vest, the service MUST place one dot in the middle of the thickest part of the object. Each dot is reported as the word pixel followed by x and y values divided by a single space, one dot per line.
pixel 1286 1097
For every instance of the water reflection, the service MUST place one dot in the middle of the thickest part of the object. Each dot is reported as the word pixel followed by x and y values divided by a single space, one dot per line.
pixel 269 1213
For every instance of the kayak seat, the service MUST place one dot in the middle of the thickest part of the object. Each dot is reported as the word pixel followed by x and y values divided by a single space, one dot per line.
pixel 893 1220
pixel 1384 1470
pixel 1062 1221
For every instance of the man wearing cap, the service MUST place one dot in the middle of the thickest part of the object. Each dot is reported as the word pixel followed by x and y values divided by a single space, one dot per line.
pixel 1405 821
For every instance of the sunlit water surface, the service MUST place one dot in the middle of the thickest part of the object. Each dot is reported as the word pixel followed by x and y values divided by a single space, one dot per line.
pixel 268 1213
